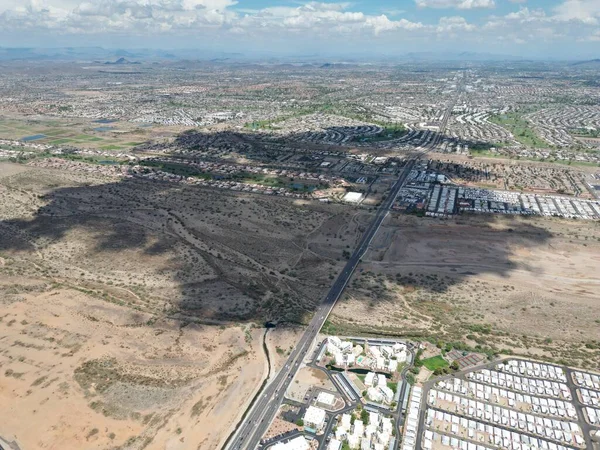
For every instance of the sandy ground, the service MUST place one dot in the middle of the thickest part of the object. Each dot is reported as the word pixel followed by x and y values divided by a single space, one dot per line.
pixel 306 378
pixel 137 330
pixel 528 285
pixel 280 342
pixel 87 374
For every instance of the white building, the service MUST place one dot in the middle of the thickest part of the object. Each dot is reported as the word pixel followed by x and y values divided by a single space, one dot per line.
pixel 398 348
pixel 332 348
pixel 353 441
pixel 350 359
pixel 373 419
pixel 298 443
pixel 393 365
pixel 334 340
pixel 387 393
pixel 346 421
pixel 359 427
pixel 381 380
pixel 374 352
pixel 374 394
pixel 314 418
pixel 353 197
pixel 326 399
pixel 334 444
pixel 346 347
pixel 387 351
pixel 370 379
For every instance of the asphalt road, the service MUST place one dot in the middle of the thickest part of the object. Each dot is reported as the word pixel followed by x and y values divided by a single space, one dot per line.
pixel 265 407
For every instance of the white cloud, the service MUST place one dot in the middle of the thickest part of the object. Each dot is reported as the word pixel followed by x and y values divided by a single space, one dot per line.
pixel 218 20
pixel 457 4
pixel 584 11
pixel 454 24
pixel 159 16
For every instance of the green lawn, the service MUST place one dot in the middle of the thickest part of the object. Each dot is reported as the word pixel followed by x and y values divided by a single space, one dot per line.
pixel 390 131
pixel 437 362
pixel 520 129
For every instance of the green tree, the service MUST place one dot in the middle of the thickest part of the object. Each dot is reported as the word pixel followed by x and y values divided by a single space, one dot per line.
pixel 364 416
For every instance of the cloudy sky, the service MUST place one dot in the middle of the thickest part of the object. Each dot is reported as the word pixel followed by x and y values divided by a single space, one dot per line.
pixel 534 28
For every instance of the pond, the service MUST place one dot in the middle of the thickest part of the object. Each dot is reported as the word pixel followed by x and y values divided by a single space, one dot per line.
pixel 105 121
pixel 104 128
pixel 34 137
pixel 356 371
pixel 302 186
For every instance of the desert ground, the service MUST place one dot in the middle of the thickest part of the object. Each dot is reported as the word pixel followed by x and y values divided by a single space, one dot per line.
pixel 512 284
pixel 122 304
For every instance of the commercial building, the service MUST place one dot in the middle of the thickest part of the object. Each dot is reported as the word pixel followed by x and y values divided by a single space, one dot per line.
pixel 325 399
pixel 314 418
pixel 298 443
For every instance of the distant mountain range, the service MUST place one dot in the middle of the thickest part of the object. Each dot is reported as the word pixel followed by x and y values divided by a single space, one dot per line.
pixel 122 61
pixel 589 63
pixel 133 56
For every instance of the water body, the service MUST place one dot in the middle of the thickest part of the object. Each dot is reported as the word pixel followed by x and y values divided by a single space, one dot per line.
pixel 34 137
pixel 104 128
pixel 302 186
pixel 105 121
pixel 357 371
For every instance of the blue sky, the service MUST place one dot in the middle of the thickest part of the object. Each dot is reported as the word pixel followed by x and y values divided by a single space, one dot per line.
pixel 531 28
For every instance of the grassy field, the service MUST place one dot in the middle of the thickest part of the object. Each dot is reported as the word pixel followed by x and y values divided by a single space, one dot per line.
pixel 390 131
pixel 79 134
pixel 436 362
pixel 520 129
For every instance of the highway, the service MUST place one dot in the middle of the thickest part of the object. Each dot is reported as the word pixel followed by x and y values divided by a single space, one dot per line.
pixel 264 409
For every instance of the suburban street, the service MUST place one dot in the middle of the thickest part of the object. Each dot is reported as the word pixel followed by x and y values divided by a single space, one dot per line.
pixel 265 407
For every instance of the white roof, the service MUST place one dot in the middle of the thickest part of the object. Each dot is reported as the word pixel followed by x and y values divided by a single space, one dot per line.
pixel 298 443
pixel 326 398
pixel 334 444
pixel 353 197
pixel 314 415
